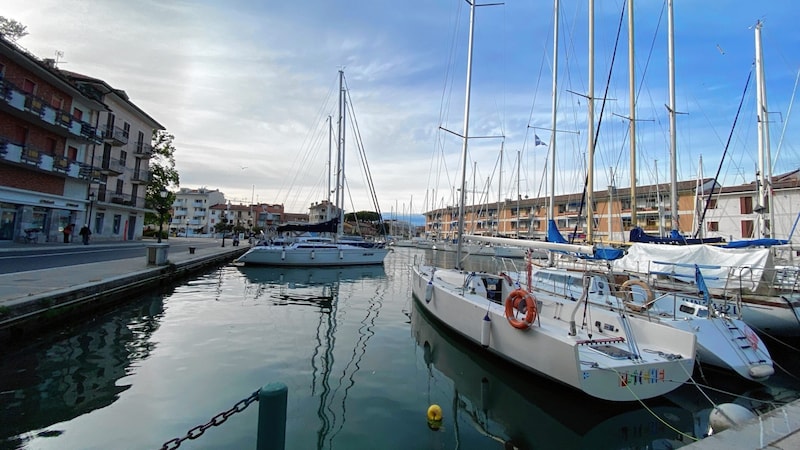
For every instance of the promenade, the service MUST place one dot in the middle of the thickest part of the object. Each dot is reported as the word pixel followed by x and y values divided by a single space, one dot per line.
pixel 27 297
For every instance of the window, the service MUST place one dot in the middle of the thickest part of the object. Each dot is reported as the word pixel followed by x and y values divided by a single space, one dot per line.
pixel 747 228
pixel 134 193
pixel 28 87
pixel 57 102
pixel 120 184
pixel 72 153
pixel 99 218
pixel 50 146
pixel 117 223
pixel 746 206
pixel 77 114
pixel 123 157
pixel 713 226
pixel 712 204
pixel 126 129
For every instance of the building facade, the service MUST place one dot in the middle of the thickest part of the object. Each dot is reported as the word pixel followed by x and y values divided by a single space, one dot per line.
pixel 192 213
pixel 48 128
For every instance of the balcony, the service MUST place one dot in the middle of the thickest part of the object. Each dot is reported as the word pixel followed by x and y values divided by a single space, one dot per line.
pixel 109 166
pixel 30 108
pixel 119 198
pixel 141 177
pixel 143 150
pixel 37 159
pixel 115 136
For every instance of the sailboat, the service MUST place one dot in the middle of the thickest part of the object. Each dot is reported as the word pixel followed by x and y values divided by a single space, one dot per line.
pixel 611 357
pixel 311 249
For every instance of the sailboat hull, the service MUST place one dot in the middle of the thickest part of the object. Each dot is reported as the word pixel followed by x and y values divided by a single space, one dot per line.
pixel 300 255
pixel 603 368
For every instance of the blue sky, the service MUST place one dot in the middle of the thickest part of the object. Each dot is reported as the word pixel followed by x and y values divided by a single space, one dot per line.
pixel 245 87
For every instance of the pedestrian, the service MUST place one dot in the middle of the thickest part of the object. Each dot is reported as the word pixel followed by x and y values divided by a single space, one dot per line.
pixel 68 232
pixel 85 233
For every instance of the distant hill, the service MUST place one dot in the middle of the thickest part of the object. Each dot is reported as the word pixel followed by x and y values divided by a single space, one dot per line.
pixel 417 220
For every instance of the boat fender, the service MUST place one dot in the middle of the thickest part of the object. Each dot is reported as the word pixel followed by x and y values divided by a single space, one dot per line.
pixel 486 330
pixel 341 254
pixel 429 292
pixel 648 292
pixel 727 415
pixel 514 302
pixel 312 254
pixel 283 254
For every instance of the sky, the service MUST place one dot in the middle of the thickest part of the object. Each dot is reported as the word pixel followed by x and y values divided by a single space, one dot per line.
pixel 246 88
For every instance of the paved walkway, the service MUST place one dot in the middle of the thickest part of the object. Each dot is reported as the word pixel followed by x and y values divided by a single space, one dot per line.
pixel 21 287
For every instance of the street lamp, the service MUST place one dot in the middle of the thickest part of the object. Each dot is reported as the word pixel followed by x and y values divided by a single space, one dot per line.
pixel 162 209
pixel 92 195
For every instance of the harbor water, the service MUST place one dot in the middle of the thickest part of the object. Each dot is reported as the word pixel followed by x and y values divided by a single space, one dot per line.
pixel 361 362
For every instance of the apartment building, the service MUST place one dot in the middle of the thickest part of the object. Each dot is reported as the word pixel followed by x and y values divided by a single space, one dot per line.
pixel 192 213
pixel 48 129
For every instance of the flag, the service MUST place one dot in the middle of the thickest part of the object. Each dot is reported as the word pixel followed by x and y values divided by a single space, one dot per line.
pixel 537 141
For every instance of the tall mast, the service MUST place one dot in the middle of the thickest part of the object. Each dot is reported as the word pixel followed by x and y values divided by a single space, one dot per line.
pixel 673 153
pixel 632 109
pixel 465 136
pixel 340 156
pixel 499 190
pixel 551 213
pixel 764 158
pixel 330 169
pixel 590 144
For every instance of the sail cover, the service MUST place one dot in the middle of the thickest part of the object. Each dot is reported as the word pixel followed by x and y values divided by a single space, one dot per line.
pixel 321 227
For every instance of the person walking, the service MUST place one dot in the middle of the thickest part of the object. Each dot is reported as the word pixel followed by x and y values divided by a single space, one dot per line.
pixel 68 232
pixel 85 233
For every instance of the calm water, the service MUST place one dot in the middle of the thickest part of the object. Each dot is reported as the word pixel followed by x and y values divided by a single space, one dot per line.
pixel 362 365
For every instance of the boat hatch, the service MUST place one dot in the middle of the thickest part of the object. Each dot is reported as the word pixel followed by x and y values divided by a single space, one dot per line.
pixel 613 352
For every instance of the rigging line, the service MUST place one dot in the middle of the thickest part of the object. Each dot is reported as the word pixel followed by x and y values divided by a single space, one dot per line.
pixel 364 163
pixel 600 119
pixel 724 152
pixel 786 122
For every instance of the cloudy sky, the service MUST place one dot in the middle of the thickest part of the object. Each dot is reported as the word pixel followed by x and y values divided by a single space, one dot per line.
pixel 246 88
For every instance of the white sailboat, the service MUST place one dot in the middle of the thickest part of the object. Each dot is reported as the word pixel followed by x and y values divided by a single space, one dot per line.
pixel 310 248
pixel 613 357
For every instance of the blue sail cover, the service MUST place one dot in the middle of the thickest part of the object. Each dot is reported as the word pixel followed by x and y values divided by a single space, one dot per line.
pixel 600 253
pixel 675 238
pixel 755 243
pixel 322 227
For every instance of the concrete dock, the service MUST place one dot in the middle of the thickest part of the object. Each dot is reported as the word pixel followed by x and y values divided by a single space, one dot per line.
pixel 32 300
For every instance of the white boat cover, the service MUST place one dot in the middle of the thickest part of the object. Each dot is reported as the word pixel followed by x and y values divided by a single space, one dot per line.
pixel 716 264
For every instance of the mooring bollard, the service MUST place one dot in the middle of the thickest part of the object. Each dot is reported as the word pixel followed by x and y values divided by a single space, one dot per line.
pixel 272 417
pixel 191 250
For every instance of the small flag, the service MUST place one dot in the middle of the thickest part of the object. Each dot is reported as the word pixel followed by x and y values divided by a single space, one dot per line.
pixel 537 141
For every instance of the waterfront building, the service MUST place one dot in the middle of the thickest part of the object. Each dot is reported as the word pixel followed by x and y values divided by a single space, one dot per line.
pixel 192 213
pixel 72 150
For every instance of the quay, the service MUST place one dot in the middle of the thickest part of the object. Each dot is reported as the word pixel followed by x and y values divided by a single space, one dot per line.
pixel 35 300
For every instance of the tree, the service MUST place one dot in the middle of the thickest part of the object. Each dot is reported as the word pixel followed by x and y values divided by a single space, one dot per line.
pixel 11 29
pixel 164 177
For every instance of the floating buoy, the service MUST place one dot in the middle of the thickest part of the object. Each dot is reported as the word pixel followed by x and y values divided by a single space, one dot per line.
pixel 434 417
pixel 486 330
pixel 728 415
pixel 429 292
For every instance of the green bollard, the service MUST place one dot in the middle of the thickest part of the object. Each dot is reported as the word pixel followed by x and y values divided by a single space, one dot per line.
pixel 272 417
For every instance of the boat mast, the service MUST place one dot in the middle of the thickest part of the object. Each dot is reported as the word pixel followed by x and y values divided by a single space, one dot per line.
pixel 340 157
pixel 590 138
pixel 673 154
pixel 499 190
pixel 465 136
pixel 764 169
pixel 632 111
pixel 551 212
pixel 330 169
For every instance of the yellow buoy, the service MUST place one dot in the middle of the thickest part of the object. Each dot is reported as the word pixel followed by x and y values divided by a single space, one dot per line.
pixel 434 417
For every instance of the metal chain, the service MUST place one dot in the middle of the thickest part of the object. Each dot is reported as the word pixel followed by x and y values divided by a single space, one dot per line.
pixel 217 420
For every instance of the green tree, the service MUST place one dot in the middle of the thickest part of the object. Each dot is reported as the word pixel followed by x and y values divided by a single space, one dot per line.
pixel 164 177
pixel 11 29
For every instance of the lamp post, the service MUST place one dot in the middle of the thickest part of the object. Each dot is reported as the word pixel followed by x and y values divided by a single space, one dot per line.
pixel 92 196
pixel 162 208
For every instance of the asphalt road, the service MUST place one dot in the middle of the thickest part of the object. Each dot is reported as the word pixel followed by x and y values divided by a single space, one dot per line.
pixel 45 257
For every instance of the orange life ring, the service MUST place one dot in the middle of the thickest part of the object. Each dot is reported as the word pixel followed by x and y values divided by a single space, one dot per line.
pixel 513 302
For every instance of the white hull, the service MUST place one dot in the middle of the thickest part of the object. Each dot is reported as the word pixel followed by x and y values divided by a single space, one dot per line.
pixel 723 342
pixel 313 256
pixel 666 355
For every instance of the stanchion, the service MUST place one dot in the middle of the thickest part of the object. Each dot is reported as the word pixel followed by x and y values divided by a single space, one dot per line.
pixel 272 417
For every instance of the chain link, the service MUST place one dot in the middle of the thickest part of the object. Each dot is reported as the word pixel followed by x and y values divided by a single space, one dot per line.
pixel 217 420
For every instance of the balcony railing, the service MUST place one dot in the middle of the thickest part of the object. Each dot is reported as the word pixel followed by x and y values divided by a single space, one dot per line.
pixel 117 198
pixel 115 136
pixel 109 166
pixel 37 158
pixel 27 105
pixel 143 150
pixel 141 177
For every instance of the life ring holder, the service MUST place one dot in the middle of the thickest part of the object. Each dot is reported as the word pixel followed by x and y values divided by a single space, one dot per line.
pixel 648 291
pixel 514 301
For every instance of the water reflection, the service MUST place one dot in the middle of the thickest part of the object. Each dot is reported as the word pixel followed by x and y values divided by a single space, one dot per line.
pixel 331 379
pixel 515 408
pixel 58 381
